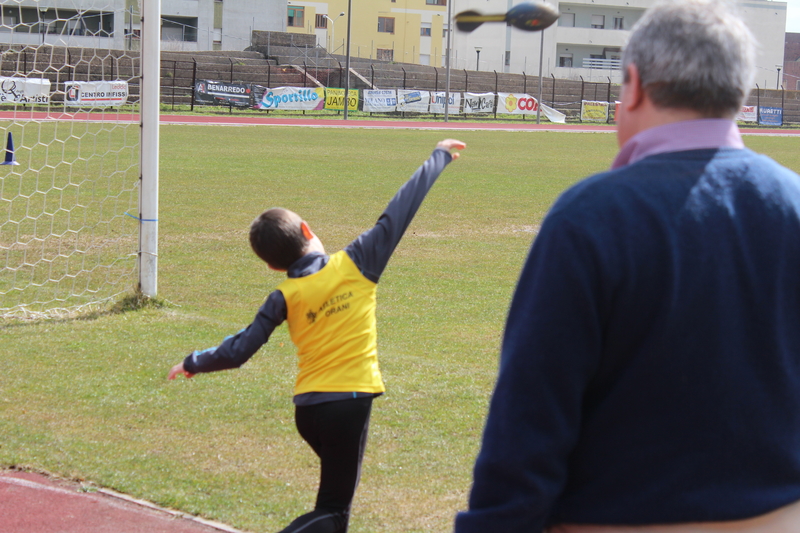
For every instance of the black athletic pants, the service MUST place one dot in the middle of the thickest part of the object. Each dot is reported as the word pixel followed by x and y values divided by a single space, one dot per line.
pixel 337 432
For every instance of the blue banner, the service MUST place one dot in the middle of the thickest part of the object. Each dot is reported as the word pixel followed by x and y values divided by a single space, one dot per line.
pixel 772 116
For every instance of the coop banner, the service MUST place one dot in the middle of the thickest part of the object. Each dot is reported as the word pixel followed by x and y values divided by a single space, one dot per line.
pixel 516 104
pixel 438 99
pixel 95 93
pixel 592 111
pixel 24 90
pixel 294 98
pixel 416 101
pixel 478 102
pixel 771 116
pixel 748 114
pixel 209 92
pixel 380 100
pixel 334 99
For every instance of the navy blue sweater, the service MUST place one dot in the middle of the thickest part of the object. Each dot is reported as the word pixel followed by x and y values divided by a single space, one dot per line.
pixel 650 369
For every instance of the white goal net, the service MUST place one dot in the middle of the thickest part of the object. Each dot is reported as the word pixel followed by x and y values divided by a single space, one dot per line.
pixel 69 182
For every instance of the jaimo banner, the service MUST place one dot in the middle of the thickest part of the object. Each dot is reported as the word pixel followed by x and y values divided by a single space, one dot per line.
pixel 293 98
pixel 334 99
pixel 24 90
pixel 771 116
pixel 479 102
pixel 95 93
pixel 209 92
pixel 380 100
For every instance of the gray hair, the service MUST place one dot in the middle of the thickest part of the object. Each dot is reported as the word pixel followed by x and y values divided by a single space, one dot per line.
pixel 693 54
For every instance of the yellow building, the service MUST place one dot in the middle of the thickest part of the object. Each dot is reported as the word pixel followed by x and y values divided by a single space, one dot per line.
pixel 405 31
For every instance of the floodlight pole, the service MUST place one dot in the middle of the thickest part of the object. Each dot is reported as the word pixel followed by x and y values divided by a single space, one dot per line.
pixel 347 62
pixel 148 168
pixel 447 60
pixel 541 59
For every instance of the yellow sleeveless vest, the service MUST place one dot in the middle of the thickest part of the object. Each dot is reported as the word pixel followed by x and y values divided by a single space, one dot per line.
pixel 331 319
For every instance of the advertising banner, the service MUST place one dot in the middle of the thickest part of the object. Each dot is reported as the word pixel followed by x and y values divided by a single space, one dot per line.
pixel 24 90
pixel 592 111
pixel 772 116
pixel 516 104
pixel 209 92
pixel 438 99
pixel 478 102
pixel 412 100
pixel 553 115
pixel 295 98
pixel 380 100
pixel 95 93
pixel 748 114
pixel 334 99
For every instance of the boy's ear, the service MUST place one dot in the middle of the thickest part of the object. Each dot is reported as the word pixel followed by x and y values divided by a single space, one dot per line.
pixel 307 233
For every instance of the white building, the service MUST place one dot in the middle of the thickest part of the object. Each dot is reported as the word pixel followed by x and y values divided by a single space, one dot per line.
pixel 185 24
pixel 588 38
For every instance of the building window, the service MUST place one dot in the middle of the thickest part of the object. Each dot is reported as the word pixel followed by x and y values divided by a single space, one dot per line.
pixel 565 60
pixel 445 29
pixel 425 29
pixel 436 2
pixel 321 22
pixel 179 29
pixel 567 19
pixel 619 23
pixel 296 17
pixel 385 54
pixel 508 58
pixel 598 21
pixel 385 24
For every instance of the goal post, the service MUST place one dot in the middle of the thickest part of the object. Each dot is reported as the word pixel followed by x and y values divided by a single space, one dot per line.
pixel 79 106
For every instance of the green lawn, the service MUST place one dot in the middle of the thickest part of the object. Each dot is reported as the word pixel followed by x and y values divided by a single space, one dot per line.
pixel 88 399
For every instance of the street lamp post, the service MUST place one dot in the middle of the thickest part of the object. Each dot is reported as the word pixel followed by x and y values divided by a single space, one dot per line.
pixel 778 83
pixel 333 42
pixel 478 59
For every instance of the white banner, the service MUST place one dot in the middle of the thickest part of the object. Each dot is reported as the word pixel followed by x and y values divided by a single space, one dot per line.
pixel 516 104
pixel 553 115
pixel 380 101
pixel 748 113
pixel 24 90
pixel 95 93
pixel 412 100
pixel 438 99
pixel 295 98
pixel 478 102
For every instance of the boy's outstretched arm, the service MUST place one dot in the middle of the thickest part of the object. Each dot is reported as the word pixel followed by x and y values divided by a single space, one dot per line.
pixel 371 250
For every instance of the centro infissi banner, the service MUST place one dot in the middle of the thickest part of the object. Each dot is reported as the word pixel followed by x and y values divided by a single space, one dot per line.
pixel 294 98
pixel 95 93
pixel 210 92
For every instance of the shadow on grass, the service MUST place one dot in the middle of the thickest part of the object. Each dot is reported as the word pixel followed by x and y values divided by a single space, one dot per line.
pixel 131 302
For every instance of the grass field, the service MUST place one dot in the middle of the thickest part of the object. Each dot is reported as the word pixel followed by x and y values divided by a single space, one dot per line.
pixel 88 398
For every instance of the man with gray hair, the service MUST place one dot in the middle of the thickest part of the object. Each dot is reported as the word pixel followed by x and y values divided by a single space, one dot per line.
pixel 649 377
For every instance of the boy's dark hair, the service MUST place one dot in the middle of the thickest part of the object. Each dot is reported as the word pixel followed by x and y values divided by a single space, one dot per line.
pixel 276 237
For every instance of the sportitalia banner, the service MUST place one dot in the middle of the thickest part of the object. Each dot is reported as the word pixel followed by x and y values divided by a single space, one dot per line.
pixel 295 98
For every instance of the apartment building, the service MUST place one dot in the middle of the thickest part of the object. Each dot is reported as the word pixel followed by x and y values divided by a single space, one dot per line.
pixel 585 43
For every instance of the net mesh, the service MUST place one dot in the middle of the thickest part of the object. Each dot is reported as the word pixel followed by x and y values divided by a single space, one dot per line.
pixel 70 152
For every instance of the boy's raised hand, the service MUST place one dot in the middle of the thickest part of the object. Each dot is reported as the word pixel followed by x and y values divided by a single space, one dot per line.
pixel 452 144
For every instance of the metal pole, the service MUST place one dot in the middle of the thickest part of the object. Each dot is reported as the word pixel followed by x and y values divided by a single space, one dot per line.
pixel 447 60
pixel 149 117
pixel 347 77
pixel 541 57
